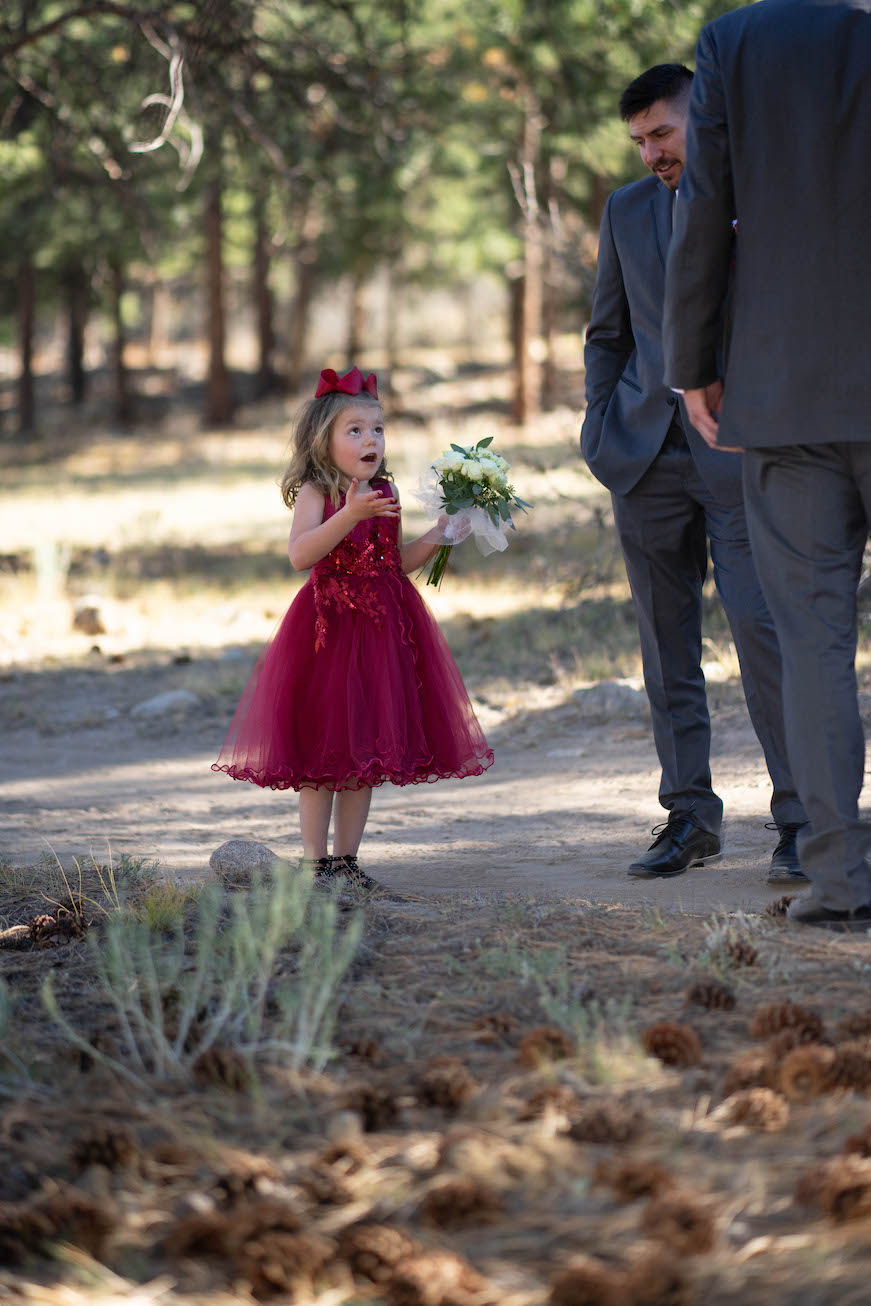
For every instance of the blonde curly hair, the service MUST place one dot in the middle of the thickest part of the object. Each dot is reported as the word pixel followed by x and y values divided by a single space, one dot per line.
pixel 310 447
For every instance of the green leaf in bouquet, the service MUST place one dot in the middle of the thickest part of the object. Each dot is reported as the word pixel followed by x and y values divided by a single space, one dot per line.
pixel 522 504
pixel 503 510
pixel 476 488
pixel 451 508
pixel 493 514
pixel 458 448
pixel 482 444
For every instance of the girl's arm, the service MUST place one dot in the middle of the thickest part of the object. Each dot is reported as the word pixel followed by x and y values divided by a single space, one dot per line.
pixel 417 553
pixel 312 538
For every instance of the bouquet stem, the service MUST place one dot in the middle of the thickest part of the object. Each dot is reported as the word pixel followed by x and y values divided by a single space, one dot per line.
pixel 439 565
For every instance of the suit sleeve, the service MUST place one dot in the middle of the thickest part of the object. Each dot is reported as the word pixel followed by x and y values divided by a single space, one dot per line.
pixel 697 272
pixel 609 343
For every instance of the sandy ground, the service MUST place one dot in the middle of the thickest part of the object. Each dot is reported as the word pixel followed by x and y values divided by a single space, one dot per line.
pixel 565 808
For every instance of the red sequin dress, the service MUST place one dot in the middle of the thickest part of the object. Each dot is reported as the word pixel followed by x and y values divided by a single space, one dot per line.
pixel 357 686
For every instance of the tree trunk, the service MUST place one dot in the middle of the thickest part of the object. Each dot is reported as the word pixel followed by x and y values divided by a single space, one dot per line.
pixel 123 402
pixel 26 315
pixel 550 289
pixel 356 318
pixel 395 293
pixel 77 315
pixel 305 274
pixel 263 301
pixel 218 410
pixel 527 382
pixel 599 192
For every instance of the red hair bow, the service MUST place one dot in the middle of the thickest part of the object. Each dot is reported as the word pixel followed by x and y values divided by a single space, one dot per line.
pixel 351 383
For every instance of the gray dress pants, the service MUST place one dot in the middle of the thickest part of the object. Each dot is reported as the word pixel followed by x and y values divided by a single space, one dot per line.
pixel 665 524
pixel 808 509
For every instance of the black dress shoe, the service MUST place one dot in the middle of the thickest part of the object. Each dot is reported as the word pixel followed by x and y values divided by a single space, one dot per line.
pixel 785 868
pixel 678 844
pixel 808 910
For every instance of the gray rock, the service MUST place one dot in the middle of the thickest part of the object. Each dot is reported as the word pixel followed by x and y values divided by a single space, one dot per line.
pixel 238 861
pixel 174 700
pixel 612 698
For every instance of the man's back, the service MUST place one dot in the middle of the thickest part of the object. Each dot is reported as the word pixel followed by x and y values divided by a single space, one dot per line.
pixel 780 139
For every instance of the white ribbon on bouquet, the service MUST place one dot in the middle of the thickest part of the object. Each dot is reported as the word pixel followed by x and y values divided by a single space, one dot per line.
pixel 460 525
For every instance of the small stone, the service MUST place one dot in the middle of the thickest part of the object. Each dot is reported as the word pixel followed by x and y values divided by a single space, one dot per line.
pixel 174 700
pixel 88 617
pixel 239 861
pixel 612 698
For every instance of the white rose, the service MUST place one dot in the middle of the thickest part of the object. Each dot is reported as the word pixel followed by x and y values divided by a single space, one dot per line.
pixel 491 469
pixel 440 464
pixel 500 462
pixel 472 469
pixel 452 461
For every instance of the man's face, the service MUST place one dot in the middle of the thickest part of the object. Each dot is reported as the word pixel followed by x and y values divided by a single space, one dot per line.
pixel 660 133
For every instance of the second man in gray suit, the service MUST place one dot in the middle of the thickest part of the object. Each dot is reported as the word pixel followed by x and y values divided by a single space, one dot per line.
pixel 674 496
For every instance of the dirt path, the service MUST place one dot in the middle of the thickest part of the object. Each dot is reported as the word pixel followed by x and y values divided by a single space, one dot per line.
pixel 567 805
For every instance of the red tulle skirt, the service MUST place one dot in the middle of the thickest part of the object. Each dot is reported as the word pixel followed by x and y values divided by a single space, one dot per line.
pixel 344 697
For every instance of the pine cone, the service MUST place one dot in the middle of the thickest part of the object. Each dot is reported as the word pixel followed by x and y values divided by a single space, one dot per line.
pixel 778 907
pixel 753 1069
pixel 114 1148
pixel 446 1083
pixel 776 1016
pixel 436 1278
pixel 278 1262
pixel 345 1157
pixel 632 1177
pixel 197 1236
pixel 780 1045
pixel 362 1046
pixel 64 926
pixel 323 1185
pixel 851 1066
pixel 606 1122
pixel 375 1103
pixel 544 1044
pixel 855 1025
pixel 712 995
pixel 757 1108
pixel 223 1067
pixel 246 1177
pixel 587 1282
pixel 76 1218
pixel 495 1027
pixel 23 1230
pixel 553 1097
pixel 740 953
pixel 655 1280
pixel 859 1143
pixel 673 1044
pixel 457 1201
pixel 804 1073
pixel 679 1220
pixel 372 1250
pixel 846 1189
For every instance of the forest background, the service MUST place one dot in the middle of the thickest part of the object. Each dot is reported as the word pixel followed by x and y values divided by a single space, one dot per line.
pixel 215 195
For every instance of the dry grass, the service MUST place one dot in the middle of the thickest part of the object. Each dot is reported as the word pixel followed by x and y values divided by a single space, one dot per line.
pixel 428 1154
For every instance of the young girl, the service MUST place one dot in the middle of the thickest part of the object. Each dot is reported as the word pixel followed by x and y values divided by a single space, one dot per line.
pixel 358 685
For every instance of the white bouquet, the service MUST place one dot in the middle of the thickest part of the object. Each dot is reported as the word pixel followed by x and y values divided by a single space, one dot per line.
pixel 471 487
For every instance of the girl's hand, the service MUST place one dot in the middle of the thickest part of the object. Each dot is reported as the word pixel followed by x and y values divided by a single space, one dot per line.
pixel 360 507
pixel 463 529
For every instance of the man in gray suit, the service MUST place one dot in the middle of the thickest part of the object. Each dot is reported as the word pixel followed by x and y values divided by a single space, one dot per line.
pixel 672 496
pixel 779 139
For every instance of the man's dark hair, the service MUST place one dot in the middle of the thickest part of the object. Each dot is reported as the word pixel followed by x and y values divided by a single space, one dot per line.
pixel 667 81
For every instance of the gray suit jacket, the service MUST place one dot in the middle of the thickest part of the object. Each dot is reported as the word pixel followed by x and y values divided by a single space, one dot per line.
pixel 629 408
pixel 780 138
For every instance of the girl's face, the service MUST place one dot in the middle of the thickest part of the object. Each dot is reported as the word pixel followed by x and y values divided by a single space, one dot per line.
pixel 357 440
